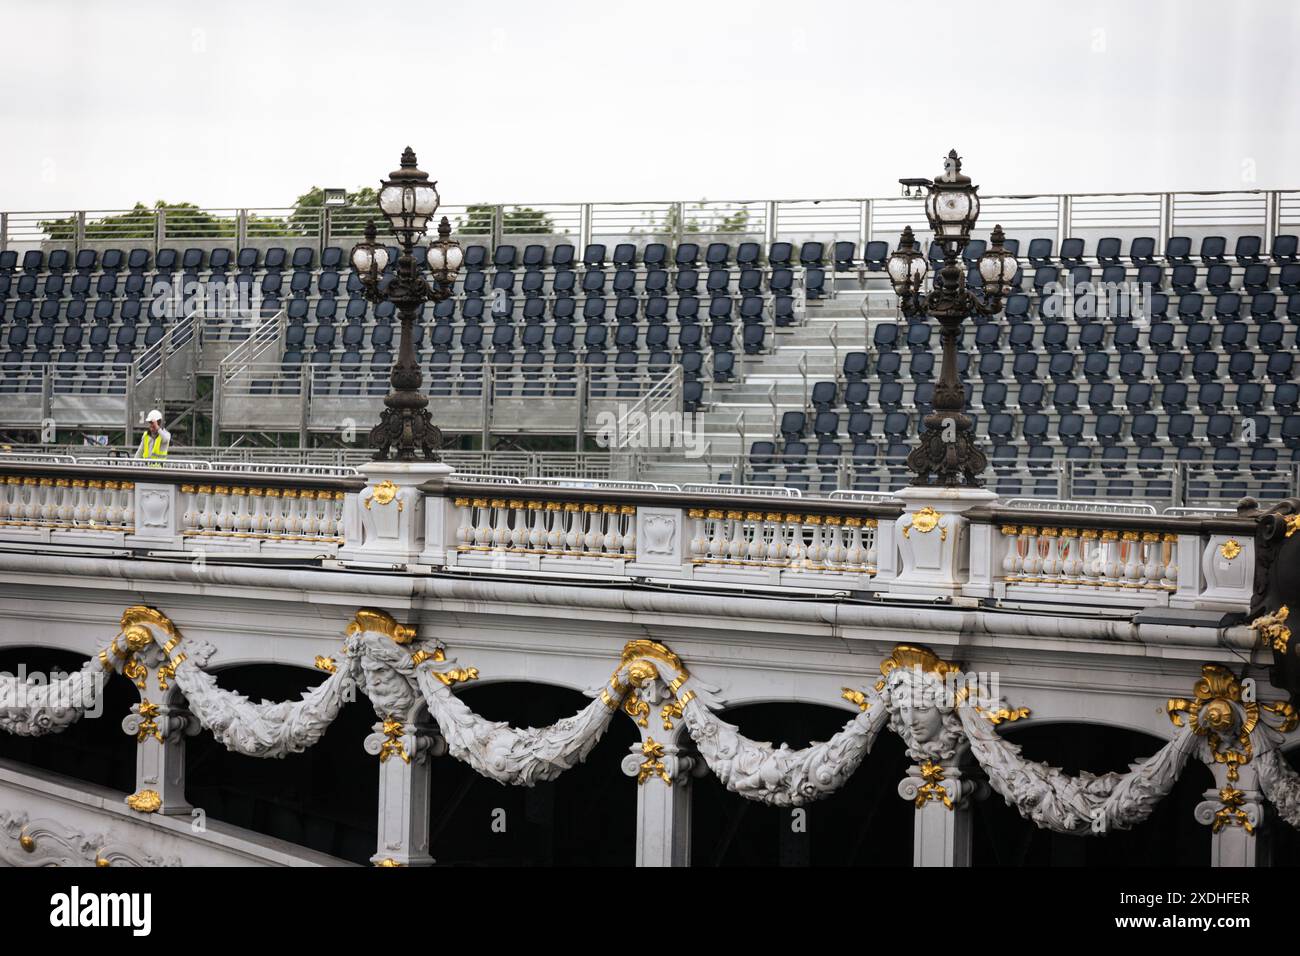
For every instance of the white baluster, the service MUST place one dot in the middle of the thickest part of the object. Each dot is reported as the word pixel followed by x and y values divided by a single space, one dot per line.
pixel 795 549
pixel 591 533
pixel 1070 550
pixel 573 535
pixel 627 521
pixel 240 519
pixel 62 501
pixel 257 518
pixel 817 546
pixel 718 538
pixel 1169 558
pixel 555 536
pixel 275 521
pixel 699 535
pixel 185 504
pixel 1112 568
pixel 310 514
pixel 519 526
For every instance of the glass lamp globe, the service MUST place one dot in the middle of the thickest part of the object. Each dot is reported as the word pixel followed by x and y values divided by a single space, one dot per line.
pixel 407 198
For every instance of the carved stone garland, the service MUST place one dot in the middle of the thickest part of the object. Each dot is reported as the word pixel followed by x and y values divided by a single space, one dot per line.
pixel 916 697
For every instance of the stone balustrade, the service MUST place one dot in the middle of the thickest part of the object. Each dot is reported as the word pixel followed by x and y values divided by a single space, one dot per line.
pixel 49 508
pixel 433 520
pixel 776 539
pixel 1089 558
pixel 271 513
pixel 570 529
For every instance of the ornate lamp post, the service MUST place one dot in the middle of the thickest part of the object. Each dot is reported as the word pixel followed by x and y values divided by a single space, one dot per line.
pixel 947 454
pixel 408 200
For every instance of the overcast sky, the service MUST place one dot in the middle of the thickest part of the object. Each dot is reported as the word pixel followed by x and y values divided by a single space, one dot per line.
pixel 249 103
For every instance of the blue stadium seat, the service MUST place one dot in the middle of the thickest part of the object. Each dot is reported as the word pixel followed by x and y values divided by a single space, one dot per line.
pixel 1212 250
pixel 1178 250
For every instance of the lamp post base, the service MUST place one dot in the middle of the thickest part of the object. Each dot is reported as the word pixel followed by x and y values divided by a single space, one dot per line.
pixel 947 455
pixel 407 428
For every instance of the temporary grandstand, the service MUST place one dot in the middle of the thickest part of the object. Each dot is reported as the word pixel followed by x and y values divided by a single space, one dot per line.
pixel 1147 349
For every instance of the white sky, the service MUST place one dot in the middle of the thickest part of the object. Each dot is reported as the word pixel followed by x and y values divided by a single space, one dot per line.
pixel 249 103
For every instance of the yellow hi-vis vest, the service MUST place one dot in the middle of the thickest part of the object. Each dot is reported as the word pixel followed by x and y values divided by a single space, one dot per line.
pixel 151 446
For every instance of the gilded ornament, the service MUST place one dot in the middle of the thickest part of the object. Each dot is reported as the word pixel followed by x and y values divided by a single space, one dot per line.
pixel 393 745
pixel 383 494
pixel 146 801
pixel 1230 549
pixel 1009 714
pixel 149 723
pixel 1232 813
pixel 1217 708
pixel 653 765
pixel 372 619
pixel 910 657
pixel 933 788
pixel 855 697
pixel 1273 628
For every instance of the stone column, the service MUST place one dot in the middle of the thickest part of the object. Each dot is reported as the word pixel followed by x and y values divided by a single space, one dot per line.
pixel 384 524
pixel 934 541
pixel 944 799
pixel 1237 815
pixel 160 731
pixel 405 772
pixel 663 770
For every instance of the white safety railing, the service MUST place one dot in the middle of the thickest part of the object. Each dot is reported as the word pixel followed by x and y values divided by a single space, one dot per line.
pixel 829 219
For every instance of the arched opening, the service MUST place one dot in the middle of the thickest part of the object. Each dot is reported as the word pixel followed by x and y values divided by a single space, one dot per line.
pixel 864 823
pixel 585 817
pixel 1169 837
pixel 95 748
pixel 1286 838
pixel 325 798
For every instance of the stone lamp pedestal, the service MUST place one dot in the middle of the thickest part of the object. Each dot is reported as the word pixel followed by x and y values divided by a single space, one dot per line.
pixel 933 539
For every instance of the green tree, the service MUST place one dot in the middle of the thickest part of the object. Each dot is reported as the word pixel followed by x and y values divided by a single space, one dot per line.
pixel 516 221
pixel 140 223
pixel 737 222
pixel 305 219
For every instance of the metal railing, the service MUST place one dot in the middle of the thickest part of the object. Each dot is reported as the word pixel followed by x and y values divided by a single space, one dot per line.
pixel 859 220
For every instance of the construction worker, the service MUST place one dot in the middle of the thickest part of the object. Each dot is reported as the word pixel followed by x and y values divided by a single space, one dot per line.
pixel 155 442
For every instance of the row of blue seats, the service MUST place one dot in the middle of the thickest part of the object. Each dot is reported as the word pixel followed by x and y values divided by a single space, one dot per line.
pixel 718 282
pixel 477 258
pixel 1147 473
pixel 1248 398
pixel 1142 251
pixel 1161 336
pixel 533 338
pixel 1065 428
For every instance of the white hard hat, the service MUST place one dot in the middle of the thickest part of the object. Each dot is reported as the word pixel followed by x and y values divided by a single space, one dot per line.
pixel 154 416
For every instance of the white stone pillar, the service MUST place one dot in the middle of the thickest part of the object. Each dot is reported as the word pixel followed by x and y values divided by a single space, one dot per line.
pixel 1236 813
pixel 934 541
pixel 663 771
pixel 405 775
pixel 944 818
pixel 385 526
pixel 160 731
pixel 156 517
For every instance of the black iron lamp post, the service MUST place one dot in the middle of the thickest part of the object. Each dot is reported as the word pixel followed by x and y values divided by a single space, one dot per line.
pixel 947 454
pixel 408 200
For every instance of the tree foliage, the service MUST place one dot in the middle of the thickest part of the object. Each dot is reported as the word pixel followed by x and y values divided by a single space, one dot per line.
pixel 516 221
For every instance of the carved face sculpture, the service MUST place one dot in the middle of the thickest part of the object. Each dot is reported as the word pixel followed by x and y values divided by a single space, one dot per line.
pixel 916 705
